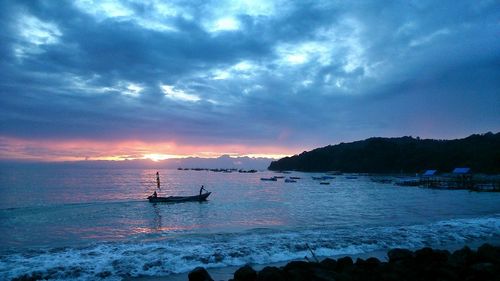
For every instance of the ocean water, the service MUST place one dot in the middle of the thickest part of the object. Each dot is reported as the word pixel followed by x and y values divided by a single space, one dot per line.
pixel 95 224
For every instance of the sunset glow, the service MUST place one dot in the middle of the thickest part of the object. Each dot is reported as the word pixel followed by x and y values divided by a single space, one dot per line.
pixel 155 80
pixel 78 150
pixel 158 157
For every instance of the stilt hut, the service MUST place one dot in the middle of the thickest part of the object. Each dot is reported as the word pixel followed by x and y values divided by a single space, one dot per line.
pixel 462 177
pixel 428 178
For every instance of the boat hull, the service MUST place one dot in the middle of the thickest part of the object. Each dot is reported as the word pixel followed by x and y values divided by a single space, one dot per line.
pixel 178 199
pixel 269 179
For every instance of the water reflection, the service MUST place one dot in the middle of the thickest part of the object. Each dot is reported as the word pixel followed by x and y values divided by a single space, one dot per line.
pixel 157 217
pixel 178 218
pixel 112 205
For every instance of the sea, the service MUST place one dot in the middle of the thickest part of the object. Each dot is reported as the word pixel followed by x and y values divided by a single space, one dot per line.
pixel 70 223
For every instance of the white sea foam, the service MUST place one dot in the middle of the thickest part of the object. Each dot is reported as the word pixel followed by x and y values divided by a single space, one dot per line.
pixel 113 261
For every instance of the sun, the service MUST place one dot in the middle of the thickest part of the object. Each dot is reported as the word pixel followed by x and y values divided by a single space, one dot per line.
pixel 158 157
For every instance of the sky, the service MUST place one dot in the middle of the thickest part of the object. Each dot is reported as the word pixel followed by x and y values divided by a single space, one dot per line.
pixel 115 80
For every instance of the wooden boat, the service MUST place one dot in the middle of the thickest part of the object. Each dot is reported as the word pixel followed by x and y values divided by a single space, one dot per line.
pixel 177 199
pixel 269 179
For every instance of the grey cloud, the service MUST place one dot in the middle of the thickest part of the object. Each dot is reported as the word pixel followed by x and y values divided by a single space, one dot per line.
pixel 414 59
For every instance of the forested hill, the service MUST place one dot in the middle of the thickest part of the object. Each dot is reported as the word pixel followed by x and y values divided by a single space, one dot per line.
pixel 394 155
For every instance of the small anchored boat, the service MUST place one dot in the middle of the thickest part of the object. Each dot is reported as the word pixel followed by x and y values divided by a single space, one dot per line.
pixel 176 199
pixel 269 179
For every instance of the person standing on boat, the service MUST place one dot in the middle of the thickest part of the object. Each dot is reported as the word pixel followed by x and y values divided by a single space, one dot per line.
pixel 158 180
pixel 157 184
pixel 201 190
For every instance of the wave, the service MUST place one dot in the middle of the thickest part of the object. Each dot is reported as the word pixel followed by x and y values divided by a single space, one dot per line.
pixel 167 255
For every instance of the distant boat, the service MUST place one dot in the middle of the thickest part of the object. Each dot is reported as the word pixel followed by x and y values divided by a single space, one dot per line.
pixel 278 177
pixel 324 183
pixel 269 179
pixel 247 171
pixel 290 180
pixel 351 177
pixel 323 178
pixel 178 199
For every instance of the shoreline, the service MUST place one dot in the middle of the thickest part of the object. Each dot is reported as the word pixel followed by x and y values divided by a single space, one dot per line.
pixel 227 273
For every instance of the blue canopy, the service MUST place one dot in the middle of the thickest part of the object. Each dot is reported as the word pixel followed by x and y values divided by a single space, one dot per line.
pixel 429 173
pixel 461 171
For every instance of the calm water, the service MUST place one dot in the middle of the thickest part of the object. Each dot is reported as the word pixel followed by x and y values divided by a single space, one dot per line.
pixel 69 223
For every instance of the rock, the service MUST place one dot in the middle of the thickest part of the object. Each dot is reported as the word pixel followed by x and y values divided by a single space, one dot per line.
pixel 432 264
pixel 360 262
pixel 426 256
pixel 199 274
pixel 343 264
pixel 365 269
pixel 329 263
pixel 488 253
pixel 423 264
pixel 447 273
pixel 245 273
pixel 398 254
pixel 483 267
pixel 320 273
pixel 272 273
pixel 462 257
pixel 369 264
pixel 372 262
pixel 298 270
pixel 484 271
pixel 304 265
pixel 442 255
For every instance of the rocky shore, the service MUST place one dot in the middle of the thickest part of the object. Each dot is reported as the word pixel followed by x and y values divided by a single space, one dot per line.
pixel 402 264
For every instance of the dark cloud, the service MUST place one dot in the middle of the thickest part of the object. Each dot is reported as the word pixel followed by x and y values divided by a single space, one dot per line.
pixel 297 74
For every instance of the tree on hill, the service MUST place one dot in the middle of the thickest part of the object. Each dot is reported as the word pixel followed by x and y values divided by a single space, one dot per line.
pixel 405 154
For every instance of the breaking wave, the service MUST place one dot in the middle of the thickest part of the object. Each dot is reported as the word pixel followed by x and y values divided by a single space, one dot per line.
pixel 167 255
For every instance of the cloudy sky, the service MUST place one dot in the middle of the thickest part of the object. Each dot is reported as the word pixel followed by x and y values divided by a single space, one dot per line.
pixel 133 79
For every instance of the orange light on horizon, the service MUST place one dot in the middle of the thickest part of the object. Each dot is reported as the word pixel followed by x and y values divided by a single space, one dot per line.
pixel 158 156
pixel 78 150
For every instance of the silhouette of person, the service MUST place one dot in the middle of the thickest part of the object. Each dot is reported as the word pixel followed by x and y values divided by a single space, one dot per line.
pixel 158 179
pixel 201 189
pixel 155 194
